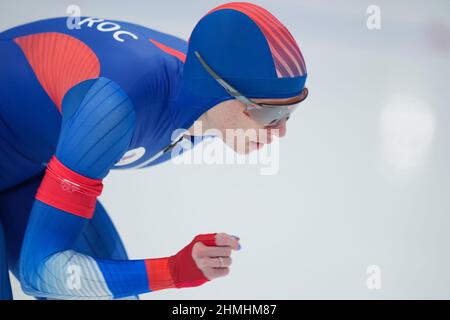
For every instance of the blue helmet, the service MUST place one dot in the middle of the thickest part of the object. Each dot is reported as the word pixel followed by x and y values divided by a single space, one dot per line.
pixel 248 48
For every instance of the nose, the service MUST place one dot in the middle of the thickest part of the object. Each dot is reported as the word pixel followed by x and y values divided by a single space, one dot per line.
pixel 280 129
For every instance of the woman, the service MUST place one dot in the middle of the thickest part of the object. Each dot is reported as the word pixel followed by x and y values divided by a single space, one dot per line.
pixel 76 102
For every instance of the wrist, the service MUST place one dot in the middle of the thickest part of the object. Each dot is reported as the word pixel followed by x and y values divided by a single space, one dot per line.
pixel 179 270
pixel 158 274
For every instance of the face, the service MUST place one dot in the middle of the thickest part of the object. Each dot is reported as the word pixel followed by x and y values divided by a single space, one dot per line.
pixel 249 135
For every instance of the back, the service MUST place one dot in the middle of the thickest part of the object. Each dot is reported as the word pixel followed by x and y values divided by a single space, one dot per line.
pixel 41 61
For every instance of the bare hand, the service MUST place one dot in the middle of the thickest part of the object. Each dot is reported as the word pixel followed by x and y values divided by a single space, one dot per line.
pixel 215 261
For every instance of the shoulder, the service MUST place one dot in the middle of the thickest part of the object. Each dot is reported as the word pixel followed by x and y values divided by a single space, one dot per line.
pixel 98 121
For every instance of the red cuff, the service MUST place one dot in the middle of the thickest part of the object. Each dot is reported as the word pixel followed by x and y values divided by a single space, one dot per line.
pixel 180 270
pixel 69 191
pixel 158 273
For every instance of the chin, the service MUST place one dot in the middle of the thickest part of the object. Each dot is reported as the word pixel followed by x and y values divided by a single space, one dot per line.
pixel 249 148
pixel 242 152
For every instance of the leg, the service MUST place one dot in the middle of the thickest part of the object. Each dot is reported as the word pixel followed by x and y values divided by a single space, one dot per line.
pixel 99 239
pixel 15 207
pixel 5 286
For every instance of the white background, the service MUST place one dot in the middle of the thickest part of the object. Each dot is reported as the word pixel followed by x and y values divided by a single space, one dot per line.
pixel 364 169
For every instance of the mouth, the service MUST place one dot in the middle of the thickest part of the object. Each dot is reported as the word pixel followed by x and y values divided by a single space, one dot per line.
pixel 256 145
pixel 269 140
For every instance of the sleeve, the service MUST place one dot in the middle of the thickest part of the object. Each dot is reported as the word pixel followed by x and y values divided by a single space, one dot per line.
pixel 98 121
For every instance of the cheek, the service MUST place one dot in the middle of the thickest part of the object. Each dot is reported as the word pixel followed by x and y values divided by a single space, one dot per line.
pixel 245 122
pixel 254 131
pixel 231 116
pixel 236 119
pixel 226 116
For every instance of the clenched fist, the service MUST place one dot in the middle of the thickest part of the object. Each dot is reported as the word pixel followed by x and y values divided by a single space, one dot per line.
pixel 207 257
pixel 215 261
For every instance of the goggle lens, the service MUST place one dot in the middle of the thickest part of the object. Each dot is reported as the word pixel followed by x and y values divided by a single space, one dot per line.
pixel 271 114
